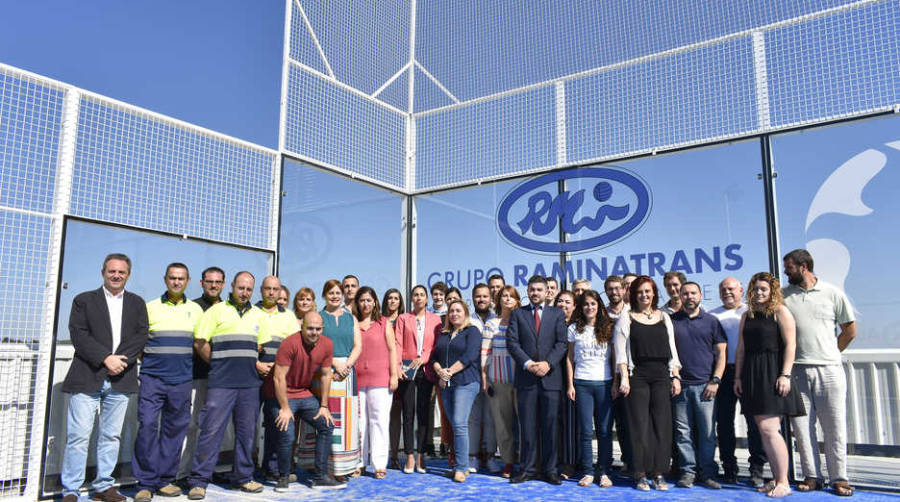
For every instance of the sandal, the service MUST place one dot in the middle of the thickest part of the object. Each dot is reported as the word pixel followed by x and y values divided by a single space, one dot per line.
pixel 770 486
pixel 605 482
pixel 379 474
pixel 842 488
pixel 642 484
pixel 459 476
pixel 659 482
pixel 587 480
pixel 808 485
pixel 779 491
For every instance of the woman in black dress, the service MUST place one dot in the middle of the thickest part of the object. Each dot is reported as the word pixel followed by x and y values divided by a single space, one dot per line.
pixel 765 355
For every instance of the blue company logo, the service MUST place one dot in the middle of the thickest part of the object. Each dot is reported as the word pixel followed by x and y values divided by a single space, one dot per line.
pixel 621 199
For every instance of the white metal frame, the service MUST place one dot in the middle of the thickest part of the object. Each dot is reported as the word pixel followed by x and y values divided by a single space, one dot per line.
pixel 755 34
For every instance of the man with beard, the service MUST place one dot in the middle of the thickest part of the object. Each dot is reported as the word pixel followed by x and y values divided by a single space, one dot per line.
pixel 230 336
pixel 729 315
pixel 614 287
pixel 212 281
pixel 298 359
pixel 481 425
pixel 820 310
pixel 701 345
pixel 536 338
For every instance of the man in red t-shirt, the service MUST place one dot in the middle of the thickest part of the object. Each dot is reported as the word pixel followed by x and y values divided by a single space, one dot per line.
pixel 299 358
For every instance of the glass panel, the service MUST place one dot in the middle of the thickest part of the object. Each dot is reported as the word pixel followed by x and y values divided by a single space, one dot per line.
pixel 704 216
pixel 332 226
pixel 149 253
pixel 837 198
pixel 459 241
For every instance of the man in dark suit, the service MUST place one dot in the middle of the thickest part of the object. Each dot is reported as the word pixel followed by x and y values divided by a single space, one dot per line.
pixel 108 327
pixel 536 338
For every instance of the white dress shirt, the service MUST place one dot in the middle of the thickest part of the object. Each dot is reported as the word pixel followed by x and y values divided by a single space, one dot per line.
pixel 114 305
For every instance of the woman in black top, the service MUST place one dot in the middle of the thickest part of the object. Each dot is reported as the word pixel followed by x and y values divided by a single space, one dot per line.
pixel 457 361
pixel 648 367
pixel 762 365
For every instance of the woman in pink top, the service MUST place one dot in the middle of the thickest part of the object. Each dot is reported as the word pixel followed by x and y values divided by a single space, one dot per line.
pixel 416 332
pixel 376 376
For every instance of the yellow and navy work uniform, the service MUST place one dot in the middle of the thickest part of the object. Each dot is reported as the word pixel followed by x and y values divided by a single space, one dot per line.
pixel 282 324
pixel 234 333
pixel 168 354
pixel 164 399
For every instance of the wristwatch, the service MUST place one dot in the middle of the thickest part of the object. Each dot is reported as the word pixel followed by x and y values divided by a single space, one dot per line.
pixel 676 377
pixel 716 380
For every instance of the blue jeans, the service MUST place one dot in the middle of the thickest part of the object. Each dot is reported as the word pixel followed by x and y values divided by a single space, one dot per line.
pixel 80 424
pixel 691 412
pixel 303 409
pixel 593 403
pixel 458 401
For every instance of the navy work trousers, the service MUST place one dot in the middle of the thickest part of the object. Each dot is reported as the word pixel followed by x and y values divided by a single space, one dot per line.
pixel 222 405
pixel 164 413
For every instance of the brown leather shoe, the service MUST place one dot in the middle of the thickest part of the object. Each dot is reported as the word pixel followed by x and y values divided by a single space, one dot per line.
pixel 109 495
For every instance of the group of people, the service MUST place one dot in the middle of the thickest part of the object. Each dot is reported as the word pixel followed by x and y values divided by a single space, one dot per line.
pixel 533 381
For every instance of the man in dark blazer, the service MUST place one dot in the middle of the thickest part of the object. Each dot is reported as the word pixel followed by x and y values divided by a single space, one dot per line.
pixel 536 338
pixel 108 327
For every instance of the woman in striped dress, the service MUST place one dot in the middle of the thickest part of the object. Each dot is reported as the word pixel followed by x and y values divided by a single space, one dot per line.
pixel 497 371
pixel 343 401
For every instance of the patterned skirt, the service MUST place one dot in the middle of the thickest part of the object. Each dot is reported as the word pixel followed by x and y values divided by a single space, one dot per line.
pixel 343 403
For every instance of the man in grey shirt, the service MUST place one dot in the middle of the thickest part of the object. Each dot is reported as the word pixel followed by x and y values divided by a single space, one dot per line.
pixel 825 327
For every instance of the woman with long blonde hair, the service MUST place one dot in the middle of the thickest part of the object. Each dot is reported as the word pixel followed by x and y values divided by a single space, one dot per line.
pixel 762 368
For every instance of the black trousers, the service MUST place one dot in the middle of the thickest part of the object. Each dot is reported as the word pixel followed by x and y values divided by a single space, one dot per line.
pixel 620 413
pixel 415 395
pixel 650 412
pixel 395 425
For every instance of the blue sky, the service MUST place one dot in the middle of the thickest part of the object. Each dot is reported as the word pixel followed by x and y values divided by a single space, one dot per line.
pixel 214 64
pixel 218 65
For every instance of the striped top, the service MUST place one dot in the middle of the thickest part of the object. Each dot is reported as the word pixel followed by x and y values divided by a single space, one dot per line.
pixel 234 336
pixel 282 323
pixel 495 358
pixel 169 352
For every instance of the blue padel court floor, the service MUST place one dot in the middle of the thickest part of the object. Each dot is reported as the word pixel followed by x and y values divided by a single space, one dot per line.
pixel 435 486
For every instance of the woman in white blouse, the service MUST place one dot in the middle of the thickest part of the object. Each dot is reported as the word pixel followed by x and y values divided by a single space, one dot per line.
pixel 591 366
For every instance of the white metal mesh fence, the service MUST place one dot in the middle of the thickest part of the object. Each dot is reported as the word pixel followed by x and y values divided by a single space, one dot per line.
pixel 138 169
pixel 347 86
pixel 497 85
pixel 30 119
pixel 24 253
pixel 120 164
